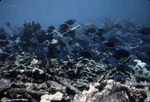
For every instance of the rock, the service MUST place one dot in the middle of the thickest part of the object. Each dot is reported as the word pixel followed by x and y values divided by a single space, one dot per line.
pixel 140 63
pixel 58 96
pixel 141 72
pixel 111 91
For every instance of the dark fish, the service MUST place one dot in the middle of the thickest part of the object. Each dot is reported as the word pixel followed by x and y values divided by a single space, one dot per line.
pixel 109 44
pixel 2 30
pixel 63 28
pixel 143 57
pixel 146 38
pixel 3 37
pixel 70 22
pixel 33 23
pixel 124 68
pixel 40 54
pixel 144 46
pixel 3 56
pixel 7 24
pixel 75 51
pixel 102 38
pixel 148 53
pixel 121 53
pixel 91 30
pixel 145 30
pixel 118 26
pixel 113 40
pixel 100 32
pixel 86 54
pixel 62 44
pixel 117 77
pixel 50 28
pixel 36 27
pixel 3 43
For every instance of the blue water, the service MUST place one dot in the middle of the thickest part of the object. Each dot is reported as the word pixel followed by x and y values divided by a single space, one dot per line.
pixel 55 12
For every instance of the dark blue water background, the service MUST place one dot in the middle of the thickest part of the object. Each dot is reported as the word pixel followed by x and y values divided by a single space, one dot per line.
pixel 55 12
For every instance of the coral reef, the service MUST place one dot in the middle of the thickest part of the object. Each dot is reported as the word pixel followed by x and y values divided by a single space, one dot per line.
pixel 75 63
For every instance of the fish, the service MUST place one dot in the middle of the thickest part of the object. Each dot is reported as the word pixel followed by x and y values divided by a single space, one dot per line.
pixel 100 32
pixel 63 28
pixel 7 24
pixel 121 53
pixel 110 44
pixel 70 22
pixel 91 30
pixel 86 54
pixel 50 28
pixel 145 30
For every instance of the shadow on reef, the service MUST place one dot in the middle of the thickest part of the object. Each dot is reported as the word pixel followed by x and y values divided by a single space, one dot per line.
pixel 58 65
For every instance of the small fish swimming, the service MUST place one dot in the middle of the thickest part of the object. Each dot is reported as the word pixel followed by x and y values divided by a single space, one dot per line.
pixel 7 24
pixel 70 22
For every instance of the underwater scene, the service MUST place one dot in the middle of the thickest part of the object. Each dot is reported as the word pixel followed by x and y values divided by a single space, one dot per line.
pixel 75 50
